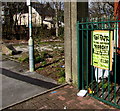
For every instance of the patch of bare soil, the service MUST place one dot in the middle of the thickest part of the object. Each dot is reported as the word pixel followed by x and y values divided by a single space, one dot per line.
pixel 53 66
pixel 14 41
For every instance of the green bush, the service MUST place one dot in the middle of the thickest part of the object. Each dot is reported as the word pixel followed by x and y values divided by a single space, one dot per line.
pixel 61 73
pixel 61 80
pixel 38 59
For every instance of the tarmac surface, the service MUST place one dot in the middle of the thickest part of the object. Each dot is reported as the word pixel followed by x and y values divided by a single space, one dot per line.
pixel 19 84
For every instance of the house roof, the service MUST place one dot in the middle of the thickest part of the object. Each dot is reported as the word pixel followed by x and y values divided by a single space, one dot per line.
pixel 44 9
pixel 21 7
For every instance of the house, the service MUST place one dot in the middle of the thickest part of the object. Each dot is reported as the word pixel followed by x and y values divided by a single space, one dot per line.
pixel 41 14
pixel 22 19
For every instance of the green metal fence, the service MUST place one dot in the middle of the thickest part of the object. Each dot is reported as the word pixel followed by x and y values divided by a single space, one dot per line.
pixel 103 84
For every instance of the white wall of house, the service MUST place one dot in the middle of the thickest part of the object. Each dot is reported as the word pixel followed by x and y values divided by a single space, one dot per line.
pixel 49 25
pixel 36 19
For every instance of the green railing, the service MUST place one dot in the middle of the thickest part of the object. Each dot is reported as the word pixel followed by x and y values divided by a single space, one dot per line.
pixel 103 84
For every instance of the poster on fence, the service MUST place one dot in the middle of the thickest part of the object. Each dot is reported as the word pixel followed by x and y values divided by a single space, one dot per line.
pixel 102 49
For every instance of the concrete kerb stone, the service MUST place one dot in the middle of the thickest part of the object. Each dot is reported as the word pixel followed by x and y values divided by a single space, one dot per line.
pixel 8 49
pixel 34 96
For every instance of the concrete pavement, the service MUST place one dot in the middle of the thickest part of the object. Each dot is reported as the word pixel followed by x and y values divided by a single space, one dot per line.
pixel 19 84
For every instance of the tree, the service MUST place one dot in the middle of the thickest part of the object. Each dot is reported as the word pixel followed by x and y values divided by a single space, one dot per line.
pixel 44 9
pixel 11 9
pixel 101 9
pixel 58 6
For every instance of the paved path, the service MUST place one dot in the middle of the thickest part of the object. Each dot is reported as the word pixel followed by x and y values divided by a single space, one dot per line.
pixel 19 84
pixel 62 98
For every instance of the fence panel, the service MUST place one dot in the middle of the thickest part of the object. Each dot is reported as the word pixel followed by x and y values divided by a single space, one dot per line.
pixel 98 60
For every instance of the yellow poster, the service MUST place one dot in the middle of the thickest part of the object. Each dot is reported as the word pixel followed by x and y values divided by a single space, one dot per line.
pixel 102 49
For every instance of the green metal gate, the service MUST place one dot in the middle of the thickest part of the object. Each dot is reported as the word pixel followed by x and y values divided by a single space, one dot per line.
pixel 102 84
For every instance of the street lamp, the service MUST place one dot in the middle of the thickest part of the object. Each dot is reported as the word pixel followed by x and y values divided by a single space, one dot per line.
pixel 30 42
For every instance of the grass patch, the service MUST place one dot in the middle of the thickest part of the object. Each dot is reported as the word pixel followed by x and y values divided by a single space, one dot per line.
pixel 40 69
pixel 61 73
pixel 43 63
pixel 24 58
pixel 61 80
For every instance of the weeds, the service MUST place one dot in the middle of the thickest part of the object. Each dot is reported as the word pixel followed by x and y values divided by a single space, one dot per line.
pixel 49 63
pixel 43 63
pixel 24 58
pixel 61 80
pixel 38 59
pixel 40 69
pixel 61 72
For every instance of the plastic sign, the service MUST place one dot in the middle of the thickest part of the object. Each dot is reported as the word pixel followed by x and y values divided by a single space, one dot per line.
pixel 102 49
pixel 28 2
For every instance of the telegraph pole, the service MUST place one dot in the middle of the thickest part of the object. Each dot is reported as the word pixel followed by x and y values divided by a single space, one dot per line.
pixel 30 42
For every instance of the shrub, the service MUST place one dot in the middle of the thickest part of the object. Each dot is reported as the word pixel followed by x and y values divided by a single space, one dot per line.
pixel 38 59
pixel 61 73
pixel 61 80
